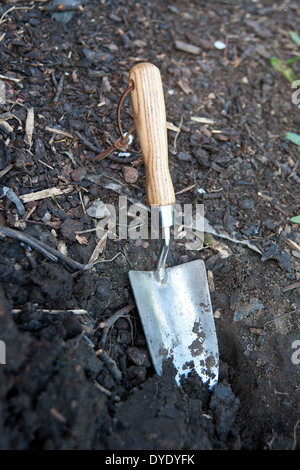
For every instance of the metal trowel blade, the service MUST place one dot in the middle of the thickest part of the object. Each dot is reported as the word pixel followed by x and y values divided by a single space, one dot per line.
pixel 178 321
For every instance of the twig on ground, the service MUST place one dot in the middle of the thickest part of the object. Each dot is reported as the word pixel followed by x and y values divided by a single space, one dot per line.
pixel 273 203
pixel 6 170
pixel 59 131
pixel 10 79
pixel 60 8
pixel 109 322
pixel 280 316
pixel 46 250
pixel 97 149
pixel 2 20
pixel 106 392
pixel 177 132
pixel 293 244
pixel 110 364
pixel 188 188
pixel 29 127
pixel 56 414
pixel 296 285
pixel 115 316
pixel 87 143
pixel 98 249
pixel 103 337
pixel 53 77
pixel 45 193
pixel 8 192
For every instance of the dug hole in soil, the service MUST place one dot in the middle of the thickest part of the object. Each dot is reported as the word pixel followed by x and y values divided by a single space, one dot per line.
pixel 228 111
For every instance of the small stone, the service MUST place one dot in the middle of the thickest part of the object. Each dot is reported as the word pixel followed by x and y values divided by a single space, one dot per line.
pixel 72 327
pixel 46 217
pixel 190 48
pixel 259 29
pixel 224 405
pixel 183 156
pixel 202 156
pixel 98 210
pixel 130 174
pixel 140 43
pixel 245 309
pixel 4 157
pixel 219 45
pixel 69 227
pixel 105 84
pixel 138 356
pixel 78 175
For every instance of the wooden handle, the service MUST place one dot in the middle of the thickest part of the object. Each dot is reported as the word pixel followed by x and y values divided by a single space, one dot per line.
pixel 150 120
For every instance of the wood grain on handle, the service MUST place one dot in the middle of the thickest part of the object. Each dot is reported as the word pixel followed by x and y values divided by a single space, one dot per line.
pixel 150 119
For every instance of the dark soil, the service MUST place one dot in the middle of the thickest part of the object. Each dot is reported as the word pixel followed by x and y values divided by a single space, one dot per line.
pixel 58 390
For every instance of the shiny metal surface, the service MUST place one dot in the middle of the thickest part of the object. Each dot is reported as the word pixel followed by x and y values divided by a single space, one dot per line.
pixel 177 319
pixel 160 273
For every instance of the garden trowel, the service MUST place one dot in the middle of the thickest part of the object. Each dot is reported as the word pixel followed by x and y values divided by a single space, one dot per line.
pixel 173 303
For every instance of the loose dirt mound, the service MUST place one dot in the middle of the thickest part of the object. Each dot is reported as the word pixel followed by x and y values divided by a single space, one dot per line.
pixel 228 112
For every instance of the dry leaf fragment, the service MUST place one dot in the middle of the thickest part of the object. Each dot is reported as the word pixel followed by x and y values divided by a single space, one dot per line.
pixel 44 193
pixel 202 120
pixel 6 126
pixel 172 127
pixel 81 239
pixel 130 174
pixel 190 48
pixel 98 249
pixel 185 87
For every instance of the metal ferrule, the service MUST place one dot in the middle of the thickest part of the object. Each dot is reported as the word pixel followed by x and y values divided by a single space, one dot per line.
pixel 166 220
pixel 166 215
